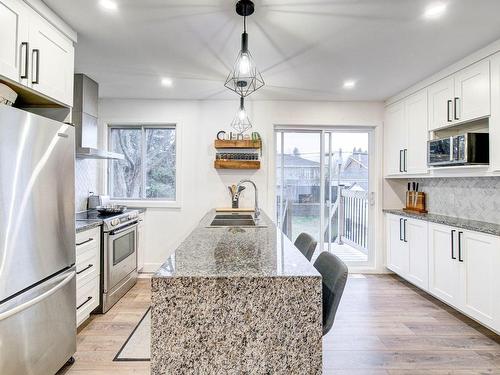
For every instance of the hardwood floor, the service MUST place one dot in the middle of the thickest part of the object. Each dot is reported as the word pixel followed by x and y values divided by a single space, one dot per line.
pixel 384 326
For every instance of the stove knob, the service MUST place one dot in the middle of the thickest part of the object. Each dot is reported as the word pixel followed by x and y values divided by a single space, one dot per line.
pixel 132 216
pixel 115 222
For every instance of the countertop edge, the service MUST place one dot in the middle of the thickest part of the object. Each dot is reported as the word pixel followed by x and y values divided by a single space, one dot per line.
pixel 472 225
pixel 84 226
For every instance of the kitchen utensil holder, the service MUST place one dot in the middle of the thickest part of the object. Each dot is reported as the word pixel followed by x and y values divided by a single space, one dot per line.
pixel 415 202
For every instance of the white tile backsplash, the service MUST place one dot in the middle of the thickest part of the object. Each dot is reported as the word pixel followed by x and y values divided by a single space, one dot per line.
pixel 86 180
pixel 467 198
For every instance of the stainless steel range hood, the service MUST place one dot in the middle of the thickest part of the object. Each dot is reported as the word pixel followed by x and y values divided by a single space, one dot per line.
pixel 86 93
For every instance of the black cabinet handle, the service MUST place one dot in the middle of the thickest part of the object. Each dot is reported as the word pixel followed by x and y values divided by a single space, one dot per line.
pixel 85 269
pixel 26 59
pixel 404 230
pixel 37 64
pixel 84 242
pixel 401 160
pixel 400 229
pixel 460 259
pixel 455 106
pixel 88 299
pixel 453 244
pixel 405 160
pixel 449 111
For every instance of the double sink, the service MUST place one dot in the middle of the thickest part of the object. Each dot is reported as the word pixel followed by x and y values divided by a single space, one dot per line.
pixel 234 220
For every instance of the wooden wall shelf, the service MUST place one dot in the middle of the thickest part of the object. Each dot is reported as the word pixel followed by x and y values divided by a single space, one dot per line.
pixel 238 144
pixel 236 164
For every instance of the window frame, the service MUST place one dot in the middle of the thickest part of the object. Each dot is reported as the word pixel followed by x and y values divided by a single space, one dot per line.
pixel 146 202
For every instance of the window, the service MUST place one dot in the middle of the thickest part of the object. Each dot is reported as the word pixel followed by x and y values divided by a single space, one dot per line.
pixel 148 171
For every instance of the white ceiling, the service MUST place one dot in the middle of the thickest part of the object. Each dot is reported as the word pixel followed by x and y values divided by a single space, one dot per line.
pixel 304 48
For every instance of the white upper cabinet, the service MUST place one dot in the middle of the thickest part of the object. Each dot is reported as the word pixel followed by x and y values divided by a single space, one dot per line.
pixel 494 123
pixel 34 53
pixel 405 136
pixel 463 97
pixel 418 133
pixel 14 49
pixel 52 56
pixel 441 96
pixel 395 136
pixel 472 92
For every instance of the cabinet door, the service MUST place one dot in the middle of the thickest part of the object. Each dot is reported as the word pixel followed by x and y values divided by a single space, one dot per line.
pixel 494 123
pixel 417 123
pixel 444 274
pixel 13 33
pixel 395 136
pixel 472 92
pixel 416 234
pixel 52 57
pixel 141 242
pixel 397 248
pixel 480 285
pixel 441 96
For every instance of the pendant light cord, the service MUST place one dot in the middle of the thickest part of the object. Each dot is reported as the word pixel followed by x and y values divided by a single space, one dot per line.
pixel 244 24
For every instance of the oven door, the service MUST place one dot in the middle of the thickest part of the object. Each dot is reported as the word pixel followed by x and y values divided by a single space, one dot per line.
pixel 440 152
pixel 121 255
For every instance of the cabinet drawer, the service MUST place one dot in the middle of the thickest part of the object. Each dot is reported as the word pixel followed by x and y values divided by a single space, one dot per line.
pixel 87 299
pixel 88 239
pixel 87 266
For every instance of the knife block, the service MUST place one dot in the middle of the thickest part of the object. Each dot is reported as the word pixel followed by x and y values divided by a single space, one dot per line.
pixel 415 202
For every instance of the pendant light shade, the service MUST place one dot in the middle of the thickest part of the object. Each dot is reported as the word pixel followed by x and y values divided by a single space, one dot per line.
pixel 241 123
pixel 244 78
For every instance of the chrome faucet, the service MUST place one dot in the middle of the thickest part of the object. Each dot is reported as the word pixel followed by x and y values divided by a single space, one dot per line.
pixel 257 209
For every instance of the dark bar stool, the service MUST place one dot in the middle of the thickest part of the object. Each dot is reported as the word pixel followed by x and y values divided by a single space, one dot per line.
pixel 334 273
pixel 306 244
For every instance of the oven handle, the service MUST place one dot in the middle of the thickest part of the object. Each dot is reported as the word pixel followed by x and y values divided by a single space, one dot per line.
pixel 123 229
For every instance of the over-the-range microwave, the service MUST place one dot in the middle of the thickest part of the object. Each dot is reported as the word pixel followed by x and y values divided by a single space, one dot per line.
pixel 464 149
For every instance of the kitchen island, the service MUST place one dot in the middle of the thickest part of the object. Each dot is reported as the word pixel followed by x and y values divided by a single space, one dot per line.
pixel 236 300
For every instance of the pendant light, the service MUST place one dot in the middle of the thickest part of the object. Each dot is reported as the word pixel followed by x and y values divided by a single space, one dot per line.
pixel 241 123
pixel 244 79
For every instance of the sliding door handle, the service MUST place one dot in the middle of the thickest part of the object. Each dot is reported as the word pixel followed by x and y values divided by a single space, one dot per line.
pixel 453 244
pixel 455 106
pixel 448 116
pixel 26 47
pixel 460 259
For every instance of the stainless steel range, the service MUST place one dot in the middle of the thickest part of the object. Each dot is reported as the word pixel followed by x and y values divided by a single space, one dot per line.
pixel 119 255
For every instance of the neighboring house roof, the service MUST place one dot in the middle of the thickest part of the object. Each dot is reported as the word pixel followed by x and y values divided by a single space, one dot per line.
pixel 296 161
pixel 359 159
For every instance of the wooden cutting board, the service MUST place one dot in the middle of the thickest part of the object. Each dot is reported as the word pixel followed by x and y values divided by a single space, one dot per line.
pixel 234 210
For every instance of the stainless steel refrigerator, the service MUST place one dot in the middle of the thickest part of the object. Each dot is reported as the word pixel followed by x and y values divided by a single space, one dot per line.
pixel 37 243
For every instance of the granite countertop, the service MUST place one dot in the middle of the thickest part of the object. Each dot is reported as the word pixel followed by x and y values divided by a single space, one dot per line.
pixel 473 225
pixel 83 225
pixel 262 251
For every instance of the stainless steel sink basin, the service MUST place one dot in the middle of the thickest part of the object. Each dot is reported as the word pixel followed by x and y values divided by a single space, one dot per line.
pixel 232 222
pixel 233 217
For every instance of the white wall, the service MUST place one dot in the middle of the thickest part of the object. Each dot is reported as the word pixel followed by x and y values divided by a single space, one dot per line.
pixel 202 186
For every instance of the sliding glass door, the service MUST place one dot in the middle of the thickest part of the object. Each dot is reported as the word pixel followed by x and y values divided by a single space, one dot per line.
pixel 322 188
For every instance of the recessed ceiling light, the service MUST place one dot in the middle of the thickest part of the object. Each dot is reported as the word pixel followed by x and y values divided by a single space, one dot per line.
pixel 108 4
pixel 165 81
pixel 435 10
pixel 349 84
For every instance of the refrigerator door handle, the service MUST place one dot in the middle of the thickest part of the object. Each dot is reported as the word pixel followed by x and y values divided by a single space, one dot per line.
pixel 34 301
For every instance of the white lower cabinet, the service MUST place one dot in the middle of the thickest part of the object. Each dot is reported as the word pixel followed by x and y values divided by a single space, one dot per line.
pixel 479 263
pixel 141 241
pixel 444 276
pixel 397 255
pixel 459 267
pixel 407 249
pixel 88 263
pixel 418 266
